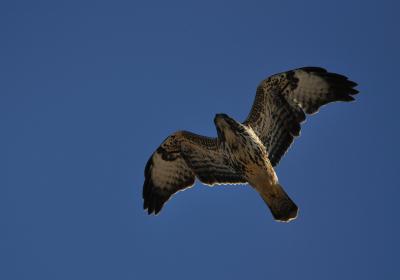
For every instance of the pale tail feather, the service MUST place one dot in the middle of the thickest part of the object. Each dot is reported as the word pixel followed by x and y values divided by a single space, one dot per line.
pixel 282 207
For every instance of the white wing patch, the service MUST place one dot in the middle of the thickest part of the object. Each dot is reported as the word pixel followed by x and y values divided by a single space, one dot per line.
pixel 166 173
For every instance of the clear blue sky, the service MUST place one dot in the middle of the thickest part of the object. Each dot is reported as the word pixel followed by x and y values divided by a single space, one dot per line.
pixel 90 88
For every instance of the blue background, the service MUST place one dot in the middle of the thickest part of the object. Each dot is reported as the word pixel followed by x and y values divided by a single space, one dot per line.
pixel 89 89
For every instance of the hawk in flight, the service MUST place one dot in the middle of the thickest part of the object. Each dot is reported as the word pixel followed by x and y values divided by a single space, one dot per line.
pixel 246 152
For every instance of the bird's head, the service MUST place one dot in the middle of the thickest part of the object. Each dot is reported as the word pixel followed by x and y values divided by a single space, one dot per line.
pixel 227 128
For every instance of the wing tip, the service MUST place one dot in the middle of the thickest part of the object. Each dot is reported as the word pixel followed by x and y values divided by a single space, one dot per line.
pixel 314 69
pixel 342 89
pixel 331 76
pixel 153 200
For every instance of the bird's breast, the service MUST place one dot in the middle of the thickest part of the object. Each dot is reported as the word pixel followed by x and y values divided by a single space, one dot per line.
pixel 243 152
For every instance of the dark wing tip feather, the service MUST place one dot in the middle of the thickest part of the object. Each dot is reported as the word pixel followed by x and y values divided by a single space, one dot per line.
pixel 353 91
pixel 340 88
pixel 314 69
pixel 153 199
pixel 334 79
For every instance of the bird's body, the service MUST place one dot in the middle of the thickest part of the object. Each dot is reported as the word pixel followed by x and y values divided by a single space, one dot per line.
pixel 246 152
pixel 240 145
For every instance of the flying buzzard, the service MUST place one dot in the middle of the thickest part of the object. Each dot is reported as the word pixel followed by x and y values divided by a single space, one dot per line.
pixel 246 152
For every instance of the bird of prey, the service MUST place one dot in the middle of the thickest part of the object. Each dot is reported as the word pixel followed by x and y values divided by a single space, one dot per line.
pixel 246 152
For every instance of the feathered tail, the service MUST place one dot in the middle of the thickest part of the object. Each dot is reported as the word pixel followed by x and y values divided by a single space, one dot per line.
pixel 282 207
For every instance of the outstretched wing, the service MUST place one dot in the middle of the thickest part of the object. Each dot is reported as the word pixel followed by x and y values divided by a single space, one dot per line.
pixel 175 164
pixel 283 100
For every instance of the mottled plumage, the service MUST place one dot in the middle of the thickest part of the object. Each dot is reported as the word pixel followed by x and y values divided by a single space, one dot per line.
pixel 246 152
pixel 175 164
pixel 283 100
